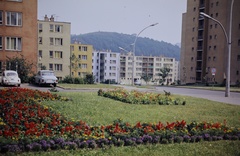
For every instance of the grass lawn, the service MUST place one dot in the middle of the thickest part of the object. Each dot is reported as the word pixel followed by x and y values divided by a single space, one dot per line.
pixel 96 110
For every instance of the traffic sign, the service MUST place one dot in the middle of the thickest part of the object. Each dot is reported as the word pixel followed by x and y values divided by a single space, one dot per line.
pixel 213 71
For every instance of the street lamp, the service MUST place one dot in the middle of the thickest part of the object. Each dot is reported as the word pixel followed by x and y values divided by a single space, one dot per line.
pixel 229 42
pixel 134 43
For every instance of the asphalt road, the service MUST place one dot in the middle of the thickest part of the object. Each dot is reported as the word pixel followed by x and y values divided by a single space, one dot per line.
pixel 200 93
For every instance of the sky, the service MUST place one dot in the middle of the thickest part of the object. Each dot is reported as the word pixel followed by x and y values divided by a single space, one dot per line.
pixel 122 16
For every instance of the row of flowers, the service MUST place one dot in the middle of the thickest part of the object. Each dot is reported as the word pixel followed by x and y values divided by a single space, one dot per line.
pixel 136 97
pixel 27 125
pixel 66 144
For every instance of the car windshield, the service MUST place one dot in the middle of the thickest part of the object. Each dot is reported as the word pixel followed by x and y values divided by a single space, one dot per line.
pixel 11 74
pixel 48 74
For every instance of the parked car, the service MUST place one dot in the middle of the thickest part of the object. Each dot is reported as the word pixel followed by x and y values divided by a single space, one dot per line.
pixel 10 77
pixel 46 77
pixel 137 82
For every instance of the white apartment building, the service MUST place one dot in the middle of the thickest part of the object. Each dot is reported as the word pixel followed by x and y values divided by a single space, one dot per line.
pixel 105 66
pixel 54 46
pixel 147 65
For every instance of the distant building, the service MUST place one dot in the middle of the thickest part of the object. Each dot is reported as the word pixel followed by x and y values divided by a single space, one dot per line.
pixel 147 66
pixel 81 59
pixel 18 31
pixel 204 47
pixel 106 65
pixel 54 46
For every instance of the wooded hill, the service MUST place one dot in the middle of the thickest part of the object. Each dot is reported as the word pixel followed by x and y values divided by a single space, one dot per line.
pixel 112 41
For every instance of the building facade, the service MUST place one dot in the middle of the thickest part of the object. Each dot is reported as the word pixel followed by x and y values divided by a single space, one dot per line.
pixel 18 31
pixel 81 60
pixel 149 66
pixel 106 65
pixel 204 47
pixel 54 46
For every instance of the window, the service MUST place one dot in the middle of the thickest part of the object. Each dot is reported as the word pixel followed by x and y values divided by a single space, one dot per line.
pixel 216 25
pixel 216 14
pixel 79 56
pixel 214 58
pixel 209 58
pixel 1 44
pixel 84 48
pixel 194 9
pixel 58 54
pixel 51 54
pixel 58 28
pixel 84 66
pixel 58 41
pixel 50 66
pixel 39 40
pixel 1 17
pixel 238 58
pixel 51 41
pixel 84 57
pixel 51 27
pixel 239 42
pixel 217 3
pixel 58 67
pixel 40 53
pixel 210 37
pixel 237 73
pixel 14 18
pixel 79 48
pixel 193 29
pixel 215 47
pixel 40 27
pixel 14 43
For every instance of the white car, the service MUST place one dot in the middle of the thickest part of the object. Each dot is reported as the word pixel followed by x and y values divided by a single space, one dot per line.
pixel 138 82
pixel 46 77
pixel 10 77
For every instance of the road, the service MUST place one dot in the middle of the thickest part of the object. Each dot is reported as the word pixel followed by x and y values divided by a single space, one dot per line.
pixel 200 93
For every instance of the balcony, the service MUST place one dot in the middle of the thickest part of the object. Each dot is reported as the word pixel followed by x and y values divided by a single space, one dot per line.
pixel 199 58
pixel 199 48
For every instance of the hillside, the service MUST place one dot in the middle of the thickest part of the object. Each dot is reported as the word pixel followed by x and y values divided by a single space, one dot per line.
pixel 112 41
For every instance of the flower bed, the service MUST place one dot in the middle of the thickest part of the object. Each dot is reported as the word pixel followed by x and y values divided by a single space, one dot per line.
pixel 27 125
pixel 135 97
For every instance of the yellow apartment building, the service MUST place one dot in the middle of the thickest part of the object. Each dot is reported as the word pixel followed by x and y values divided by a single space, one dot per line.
pixel 54 46
pixel 81 60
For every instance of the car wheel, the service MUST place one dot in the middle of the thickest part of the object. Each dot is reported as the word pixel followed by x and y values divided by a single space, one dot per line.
pixel 19 85
pixel 54 85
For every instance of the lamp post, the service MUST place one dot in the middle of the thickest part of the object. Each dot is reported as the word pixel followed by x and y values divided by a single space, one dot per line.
pixel 229 42
pixel 134 44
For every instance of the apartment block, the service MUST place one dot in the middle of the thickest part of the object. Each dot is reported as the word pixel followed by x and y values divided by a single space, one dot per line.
pixel 204 49
pixel 81 59
pixel 106 65
pixel 54 46
pixel 147 66
pixel 18 31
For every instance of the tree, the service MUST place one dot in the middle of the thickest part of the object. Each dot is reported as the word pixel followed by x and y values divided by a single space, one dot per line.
pixel 74 66
pixel 163 74
pixel 89 79
pixel 21 65
pixel 146 78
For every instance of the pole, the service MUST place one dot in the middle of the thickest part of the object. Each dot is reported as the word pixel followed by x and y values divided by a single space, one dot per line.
pixel 227 91
pixel 133 55
pixel 229 42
